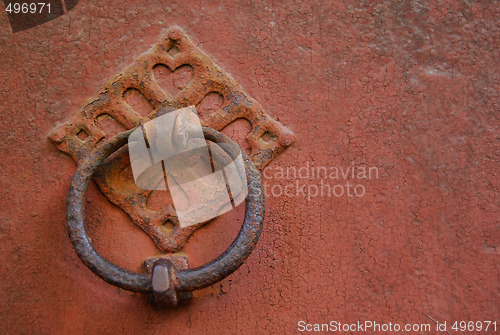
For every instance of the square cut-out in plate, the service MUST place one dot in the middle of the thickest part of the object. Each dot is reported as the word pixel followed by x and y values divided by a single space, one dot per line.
pixel 82 135
pixel 173 74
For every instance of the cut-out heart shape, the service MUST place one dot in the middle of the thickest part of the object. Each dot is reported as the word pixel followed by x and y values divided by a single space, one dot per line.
pixel 173 82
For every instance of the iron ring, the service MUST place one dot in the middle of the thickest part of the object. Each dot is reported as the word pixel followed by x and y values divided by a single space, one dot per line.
pixel 185 280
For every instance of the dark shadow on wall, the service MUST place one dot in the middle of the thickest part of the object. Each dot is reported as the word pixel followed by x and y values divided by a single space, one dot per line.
pixel 24 14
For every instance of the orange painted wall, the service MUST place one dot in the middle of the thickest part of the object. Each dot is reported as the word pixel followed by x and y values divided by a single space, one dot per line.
pixel 411 88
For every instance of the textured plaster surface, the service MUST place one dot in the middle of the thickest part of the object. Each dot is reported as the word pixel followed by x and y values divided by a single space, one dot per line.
pixel 409 87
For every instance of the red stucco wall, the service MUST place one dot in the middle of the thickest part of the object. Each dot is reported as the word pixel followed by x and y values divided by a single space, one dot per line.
pixel 410 88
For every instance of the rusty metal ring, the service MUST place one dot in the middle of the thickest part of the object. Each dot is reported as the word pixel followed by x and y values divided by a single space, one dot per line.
pixel 186 280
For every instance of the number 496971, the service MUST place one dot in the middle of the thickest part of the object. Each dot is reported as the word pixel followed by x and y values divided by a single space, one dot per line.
pixel 474 326
pixel 27 7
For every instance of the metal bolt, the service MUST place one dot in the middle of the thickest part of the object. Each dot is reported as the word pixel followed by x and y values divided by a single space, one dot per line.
pixel 175 34
pixel 160 279
pixel 286 139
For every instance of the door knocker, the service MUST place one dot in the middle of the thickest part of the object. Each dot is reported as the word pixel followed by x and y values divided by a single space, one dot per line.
pixel 173 75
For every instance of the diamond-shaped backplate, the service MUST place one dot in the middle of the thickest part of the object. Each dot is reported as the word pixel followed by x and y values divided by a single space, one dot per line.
pixel 173 74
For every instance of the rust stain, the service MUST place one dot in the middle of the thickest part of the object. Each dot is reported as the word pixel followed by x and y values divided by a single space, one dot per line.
pixel 173 74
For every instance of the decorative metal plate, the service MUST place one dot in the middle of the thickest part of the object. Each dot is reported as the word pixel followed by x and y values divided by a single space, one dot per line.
pixel 173 74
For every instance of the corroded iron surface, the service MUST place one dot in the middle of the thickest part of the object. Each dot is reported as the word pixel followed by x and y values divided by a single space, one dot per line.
pixel 173 74
pixel 180 280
